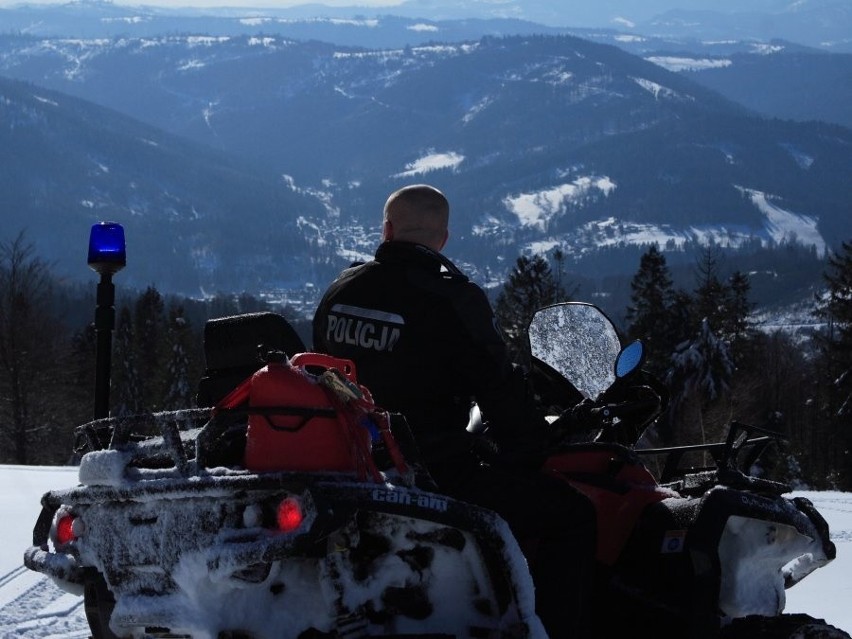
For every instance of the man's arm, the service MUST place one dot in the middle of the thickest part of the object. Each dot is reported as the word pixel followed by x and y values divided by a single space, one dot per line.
pixel 500 386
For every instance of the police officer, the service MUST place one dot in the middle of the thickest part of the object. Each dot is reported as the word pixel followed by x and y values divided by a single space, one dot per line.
pixel 425 341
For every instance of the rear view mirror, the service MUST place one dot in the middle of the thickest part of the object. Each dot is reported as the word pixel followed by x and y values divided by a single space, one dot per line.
pixel 629 359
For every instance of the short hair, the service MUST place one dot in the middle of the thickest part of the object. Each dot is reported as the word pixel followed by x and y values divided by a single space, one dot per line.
pixel 419 213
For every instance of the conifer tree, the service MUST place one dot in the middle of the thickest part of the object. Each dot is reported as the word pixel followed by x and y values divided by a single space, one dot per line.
pixel 837 307
pixel 700 375
pixel 149 330
pixel 836 359
pixel 126 393
pixel 738 326
pixel 531 286
pixel 180 387
pixel 82 372
pixel 651 313
pixel 723 303
pixel 711 295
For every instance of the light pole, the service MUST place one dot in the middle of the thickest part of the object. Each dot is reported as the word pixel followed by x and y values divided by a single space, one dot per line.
pixel 107 256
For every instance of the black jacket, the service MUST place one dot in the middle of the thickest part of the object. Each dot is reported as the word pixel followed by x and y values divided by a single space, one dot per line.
pixel 425 342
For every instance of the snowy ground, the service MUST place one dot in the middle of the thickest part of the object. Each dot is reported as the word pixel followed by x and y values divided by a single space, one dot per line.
pixel 32 607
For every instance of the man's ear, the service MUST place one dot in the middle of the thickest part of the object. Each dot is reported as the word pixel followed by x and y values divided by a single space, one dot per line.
pixel 387 231
pixel 444 241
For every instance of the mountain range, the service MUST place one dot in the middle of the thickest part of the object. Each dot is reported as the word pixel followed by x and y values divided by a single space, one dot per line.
pixel 260 162
pixel 68 164
pixel 825 24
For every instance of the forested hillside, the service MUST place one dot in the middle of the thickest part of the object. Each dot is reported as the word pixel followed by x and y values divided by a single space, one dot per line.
pixel 704 341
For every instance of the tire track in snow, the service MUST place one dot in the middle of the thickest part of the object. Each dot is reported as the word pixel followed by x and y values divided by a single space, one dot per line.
pixel 16 583
pixel 11 576
pixel 33 607
pixel 841 529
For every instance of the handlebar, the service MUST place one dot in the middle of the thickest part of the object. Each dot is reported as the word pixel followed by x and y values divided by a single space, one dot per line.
pixel 625 409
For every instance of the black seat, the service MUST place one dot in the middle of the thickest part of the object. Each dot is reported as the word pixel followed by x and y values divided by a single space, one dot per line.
pixel 236 346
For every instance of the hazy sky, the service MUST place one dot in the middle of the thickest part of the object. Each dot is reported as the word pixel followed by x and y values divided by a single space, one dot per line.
pixel 222 3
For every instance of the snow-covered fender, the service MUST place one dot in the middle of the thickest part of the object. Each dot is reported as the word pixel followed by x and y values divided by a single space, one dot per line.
pixel 750 547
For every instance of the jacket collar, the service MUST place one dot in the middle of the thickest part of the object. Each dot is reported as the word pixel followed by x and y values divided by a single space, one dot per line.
pixel 409 253
pixel 418 255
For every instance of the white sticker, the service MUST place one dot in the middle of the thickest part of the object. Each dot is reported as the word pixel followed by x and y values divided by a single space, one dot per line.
pixel 673 541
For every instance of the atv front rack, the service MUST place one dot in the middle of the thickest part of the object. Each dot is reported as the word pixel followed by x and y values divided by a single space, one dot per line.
pixel 731 460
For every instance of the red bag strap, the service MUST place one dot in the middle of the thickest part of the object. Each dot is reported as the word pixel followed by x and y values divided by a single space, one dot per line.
pixel 356 404
pixel 236 397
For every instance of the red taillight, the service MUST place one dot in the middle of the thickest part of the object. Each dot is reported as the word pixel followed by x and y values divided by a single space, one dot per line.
pixel 65 530
pixel 289 516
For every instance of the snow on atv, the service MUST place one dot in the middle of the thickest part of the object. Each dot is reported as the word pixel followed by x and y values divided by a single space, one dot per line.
pixel 697 548
pixel 286 511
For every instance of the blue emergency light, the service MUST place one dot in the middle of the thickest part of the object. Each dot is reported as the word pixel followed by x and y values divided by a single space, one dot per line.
pixel 107 252
pixel 107 256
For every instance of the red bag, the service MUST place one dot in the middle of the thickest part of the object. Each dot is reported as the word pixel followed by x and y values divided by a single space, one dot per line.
pixel 296 422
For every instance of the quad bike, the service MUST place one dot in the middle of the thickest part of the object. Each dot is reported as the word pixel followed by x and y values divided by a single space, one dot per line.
pixel 290 508
pixel 293 507
pixel 696 547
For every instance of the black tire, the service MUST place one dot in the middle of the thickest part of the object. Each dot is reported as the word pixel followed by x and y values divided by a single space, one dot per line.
pixel 98 602
pixel 792 626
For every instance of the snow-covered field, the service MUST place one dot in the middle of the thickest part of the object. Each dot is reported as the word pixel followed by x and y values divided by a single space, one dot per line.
pixel 31 606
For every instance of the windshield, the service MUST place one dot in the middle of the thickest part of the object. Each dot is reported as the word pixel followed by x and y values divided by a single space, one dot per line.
pixel 578 341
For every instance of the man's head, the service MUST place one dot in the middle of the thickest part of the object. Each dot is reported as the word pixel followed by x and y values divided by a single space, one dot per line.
pixel 417 213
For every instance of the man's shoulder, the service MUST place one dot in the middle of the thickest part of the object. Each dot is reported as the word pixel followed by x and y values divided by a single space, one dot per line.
pixel 456 292
pixel 353 270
